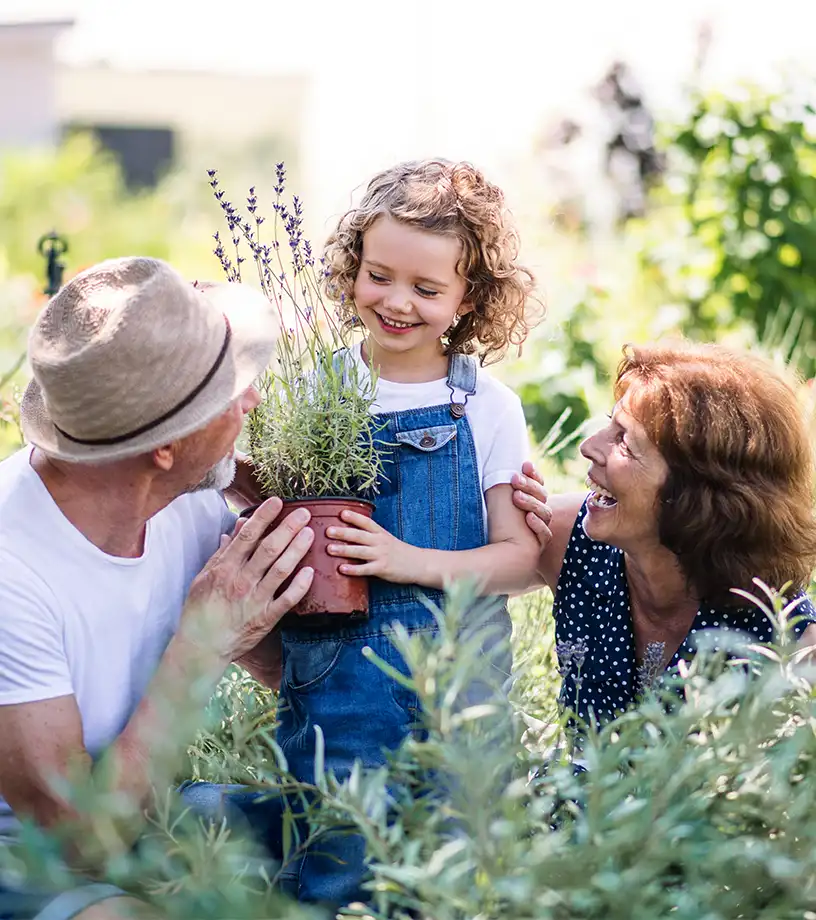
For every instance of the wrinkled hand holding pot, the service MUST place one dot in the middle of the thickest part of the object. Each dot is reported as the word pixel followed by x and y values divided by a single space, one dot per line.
pixel 331 594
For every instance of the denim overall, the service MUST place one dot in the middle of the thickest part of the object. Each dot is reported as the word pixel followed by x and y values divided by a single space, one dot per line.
pixel 430 496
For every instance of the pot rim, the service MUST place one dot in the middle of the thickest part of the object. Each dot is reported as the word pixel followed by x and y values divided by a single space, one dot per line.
pixel 314 499
pixel 329 498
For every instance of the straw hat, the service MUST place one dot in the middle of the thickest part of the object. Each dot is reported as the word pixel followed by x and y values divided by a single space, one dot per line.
pixel 129 356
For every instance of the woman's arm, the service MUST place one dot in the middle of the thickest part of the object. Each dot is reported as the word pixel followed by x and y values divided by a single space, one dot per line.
pixel 808 641
pixel 506 564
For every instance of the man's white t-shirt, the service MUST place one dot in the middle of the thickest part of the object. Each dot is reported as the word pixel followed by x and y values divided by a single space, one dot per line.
pixel 76 621
pixel 494 412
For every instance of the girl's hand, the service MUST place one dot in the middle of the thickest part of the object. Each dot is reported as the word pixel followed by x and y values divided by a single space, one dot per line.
pixel 380 553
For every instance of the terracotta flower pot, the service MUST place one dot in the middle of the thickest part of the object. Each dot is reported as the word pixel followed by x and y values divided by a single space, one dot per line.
pixel 332 594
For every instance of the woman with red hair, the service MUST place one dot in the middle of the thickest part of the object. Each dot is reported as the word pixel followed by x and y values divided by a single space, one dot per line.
pixel 700 482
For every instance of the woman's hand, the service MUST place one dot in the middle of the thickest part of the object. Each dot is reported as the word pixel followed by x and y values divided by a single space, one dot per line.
pixel 379 552
pixel 530 496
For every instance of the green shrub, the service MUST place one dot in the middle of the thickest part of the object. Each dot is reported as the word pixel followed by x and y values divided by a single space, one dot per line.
pixel 699 803
pixel 741 189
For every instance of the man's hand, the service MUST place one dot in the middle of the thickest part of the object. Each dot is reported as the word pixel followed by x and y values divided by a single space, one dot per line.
pixel 230 610
pixel 233 603
pixel 529 495
pixel 379 552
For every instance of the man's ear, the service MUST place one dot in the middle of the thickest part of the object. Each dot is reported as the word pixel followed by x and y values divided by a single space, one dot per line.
pixel 164 457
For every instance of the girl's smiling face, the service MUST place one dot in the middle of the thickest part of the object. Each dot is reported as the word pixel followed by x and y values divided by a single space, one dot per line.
pixel 408 292
pixel 626 475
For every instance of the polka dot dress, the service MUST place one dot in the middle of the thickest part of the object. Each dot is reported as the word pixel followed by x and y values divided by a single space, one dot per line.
pixel 594 635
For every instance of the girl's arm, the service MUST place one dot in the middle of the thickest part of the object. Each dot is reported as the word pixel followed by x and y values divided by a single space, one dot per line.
pixel 507 564
pixel 550 518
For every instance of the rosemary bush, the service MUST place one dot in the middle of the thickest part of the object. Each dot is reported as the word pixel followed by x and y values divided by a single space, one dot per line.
pixel 696 804
pixel 312 435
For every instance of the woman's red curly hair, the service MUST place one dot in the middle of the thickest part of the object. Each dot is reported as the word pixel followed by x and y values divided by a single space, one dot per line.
pixel 737 503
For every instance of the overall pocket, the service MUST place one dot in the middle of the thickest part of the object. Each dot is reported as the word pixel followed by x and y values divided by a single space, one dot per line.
pixel 306 664
pixel 429 486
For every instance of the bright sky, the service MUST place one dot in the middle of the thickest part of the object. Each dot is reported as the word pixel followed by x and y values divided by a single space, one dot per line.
pixel 556 39
pixel 465 78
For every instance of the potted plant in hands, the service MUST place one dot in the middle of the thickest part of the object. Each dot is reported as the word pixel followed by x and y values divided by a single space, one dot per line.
pixel 311 439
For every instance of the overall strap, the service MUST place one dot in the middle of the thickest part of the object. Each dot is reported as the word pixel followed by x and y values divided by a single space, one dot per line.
pixel 461 376
pixel 340 361
pixel 462 373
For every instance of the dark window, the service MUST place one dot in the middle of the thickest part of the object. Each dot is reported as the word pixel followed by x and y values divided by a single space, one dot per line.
pixel 144 154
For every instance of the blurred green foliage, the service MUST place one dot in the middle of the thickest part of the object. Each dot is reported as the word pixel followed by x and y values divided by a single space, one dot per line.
pixel 745 167
pixel 696 804
pixel 78 190
pixel 726 250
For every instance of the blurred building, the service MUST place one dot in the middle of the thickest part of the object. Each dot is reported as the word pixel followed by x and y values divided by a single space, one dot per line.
pixel 151 119
pixel 154 119
pixel 28 81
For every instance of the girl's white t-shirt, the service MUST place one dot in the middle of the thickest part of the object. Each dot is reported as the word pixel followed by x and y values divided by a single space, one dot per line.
pixel 494 412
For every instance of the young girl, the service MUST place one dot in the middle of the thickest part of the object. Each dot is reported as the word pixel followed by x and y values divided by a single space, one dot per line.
pixel 427 265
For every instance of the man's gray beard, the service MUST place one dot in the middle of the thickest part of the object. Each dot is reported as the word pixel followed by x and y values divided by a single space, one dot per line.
pixel 217 477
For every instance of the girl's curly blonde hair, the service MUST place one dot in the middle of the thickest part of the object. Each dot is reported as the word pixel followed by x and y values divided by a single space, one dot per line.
pixel 454 199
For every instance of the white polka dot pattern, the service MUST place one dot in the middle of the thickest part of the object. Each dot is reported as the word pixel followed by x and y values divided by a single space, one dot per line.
pixel 592 613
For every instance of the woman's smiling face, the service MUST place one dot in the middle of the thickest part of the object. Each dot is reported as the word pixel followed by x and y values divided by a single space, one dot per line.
pixel 626 475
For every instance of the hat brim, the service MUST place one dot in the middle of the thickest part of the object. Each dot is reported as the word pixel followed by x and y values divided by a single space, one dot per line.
pixel 255 329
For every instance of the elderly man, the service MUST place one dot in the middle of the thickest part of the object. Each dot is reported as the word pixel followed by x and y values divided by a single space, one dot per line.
pixel 122 595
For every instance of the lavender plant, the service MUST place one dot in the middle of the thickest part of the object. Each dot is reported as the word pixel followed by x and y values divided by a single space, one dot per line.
pixel 652 666
pixel 312 435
